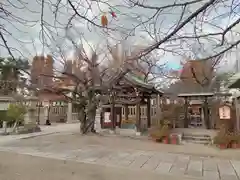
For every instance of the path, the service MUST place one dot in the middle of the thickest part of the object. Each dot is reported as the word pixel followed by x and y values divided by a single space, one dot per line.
pixel 23 167
pixel 45 130
pixel 120 153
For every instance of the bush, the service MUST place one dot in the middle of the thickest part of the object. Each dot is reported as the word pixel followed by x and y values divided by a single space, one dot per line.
pixel 15 113
pixel 160 132
pixel 234 137
pixel 222 137
pixel 3 117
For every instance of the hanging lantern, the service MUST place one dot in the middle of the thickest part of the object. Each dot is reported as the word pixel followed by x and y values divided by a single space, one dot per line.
pixel 104 20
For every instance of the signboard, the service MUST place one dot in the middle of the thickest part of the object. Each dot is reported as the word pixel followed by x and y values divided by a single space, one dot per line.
pixel 4 106
pixel 107 117
pixel 225 112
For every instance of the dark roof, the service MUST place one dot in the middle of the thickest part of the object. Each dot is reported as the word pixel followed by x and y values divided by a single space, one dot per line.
pixel 195 94
pixel 133 80
pixel 234 81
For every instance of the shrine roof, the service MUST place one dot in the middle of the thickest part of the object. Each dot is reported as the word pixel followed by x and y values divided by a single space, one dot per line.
pixel 134 81
pixel 234 81
pixel 196 94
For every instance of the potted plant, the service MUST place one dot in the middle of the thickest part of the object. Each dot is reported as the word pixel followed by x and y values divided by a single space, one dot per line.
pixel 238 140
pixel 222 141
pixel 155 134
pixel 174 139
pixel 165 134
pixel 223 138
pixel 233 140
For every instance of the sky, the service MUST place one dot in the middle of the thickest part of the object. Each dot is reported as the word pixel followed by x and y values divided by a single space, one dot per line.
pixel 27 36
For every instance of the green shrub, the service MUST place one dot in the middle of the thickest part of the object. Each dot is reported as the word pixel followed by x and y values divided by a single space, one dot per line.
pixel 160 132
pixel 15 113
pixel 222 137
pixel 3 117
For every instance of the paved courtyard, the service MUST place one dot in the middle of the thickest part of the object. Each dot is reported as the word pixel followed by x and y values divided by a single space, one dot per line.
pixel 24 167
pixel 126 154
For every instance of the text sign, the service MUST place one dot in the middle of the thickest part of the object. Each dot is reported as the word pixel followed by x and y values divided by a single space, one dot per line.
pixel 225 112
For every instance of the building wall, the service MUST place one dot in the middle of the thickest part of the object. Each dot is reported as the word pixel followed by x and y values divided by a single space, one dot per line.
pixel 37 69
pixel 48 71
pixel 42 66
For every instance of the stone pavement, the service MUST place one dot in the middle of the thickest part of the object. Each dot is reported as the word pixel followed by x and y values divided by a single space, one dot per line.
pixel 45 130
pixel 183 166
pixel 124 153
pixel 24 167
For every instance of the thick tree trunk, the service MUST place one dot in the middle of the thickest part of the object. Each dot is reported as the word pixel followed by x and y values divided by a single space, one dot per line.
pixel 15 126
pixel 91 114
pixel 92 119
pixel 91 111
pixel 82 119
pixel 206 114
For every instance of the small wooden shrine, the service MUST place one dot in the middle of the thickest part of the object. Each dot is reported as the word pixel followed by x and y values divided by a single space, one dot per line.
pixel 125 89
pixel 196 110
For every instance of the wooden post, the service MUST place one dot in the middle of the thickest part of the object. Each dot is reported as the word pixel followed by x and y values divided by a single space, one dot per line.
pixel 149 112
pixel 138 113
pixel 186 113
pixel 206 115
pixel 159 110
pixel 113 119
pixel 237 114
pixel 126 112
pixel 138 117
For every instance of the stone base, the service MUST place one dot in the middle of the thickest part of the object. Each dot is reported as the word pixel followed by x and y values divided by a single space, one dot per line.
pixel 138 133
pixel 112 131
pixel 29 128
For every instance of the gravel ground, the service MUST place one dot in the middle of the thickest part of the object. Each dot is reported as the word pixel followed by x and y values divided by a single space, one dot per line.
pixel 24 167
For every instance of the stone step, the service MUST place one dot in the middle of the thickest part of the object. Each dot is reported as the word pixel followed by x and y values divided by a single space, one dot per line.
pixel 204 136
pixel 196 134
pixel 197 142
pixel 197 138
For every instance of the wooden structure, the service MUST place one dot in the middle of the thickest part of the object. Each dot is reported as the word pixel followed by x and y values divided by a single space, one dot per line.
pixel 234 83
pixel 125 89
pixel 196 110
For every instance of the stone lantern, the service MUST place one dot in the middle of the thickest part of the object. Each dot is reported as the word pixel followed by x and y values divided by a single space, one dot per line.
pixel 30 118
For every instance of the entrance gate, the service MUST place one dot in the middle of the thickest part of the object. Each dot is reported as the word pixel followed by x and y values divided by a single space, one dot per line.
pixel 196 110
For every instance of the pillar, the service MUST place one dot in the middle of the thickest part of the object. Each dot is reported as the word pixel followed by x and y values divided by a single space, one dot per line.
pixel 69 112
pixel 158 110
pixel 148 112
pixel 138 118
pixel 97 125
pixel 202 118
pixel 205 112
pixel 113 117
pixel 126 112
pixel 38 113
pixel 186 113
pixel 237 113
pixel 46 107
